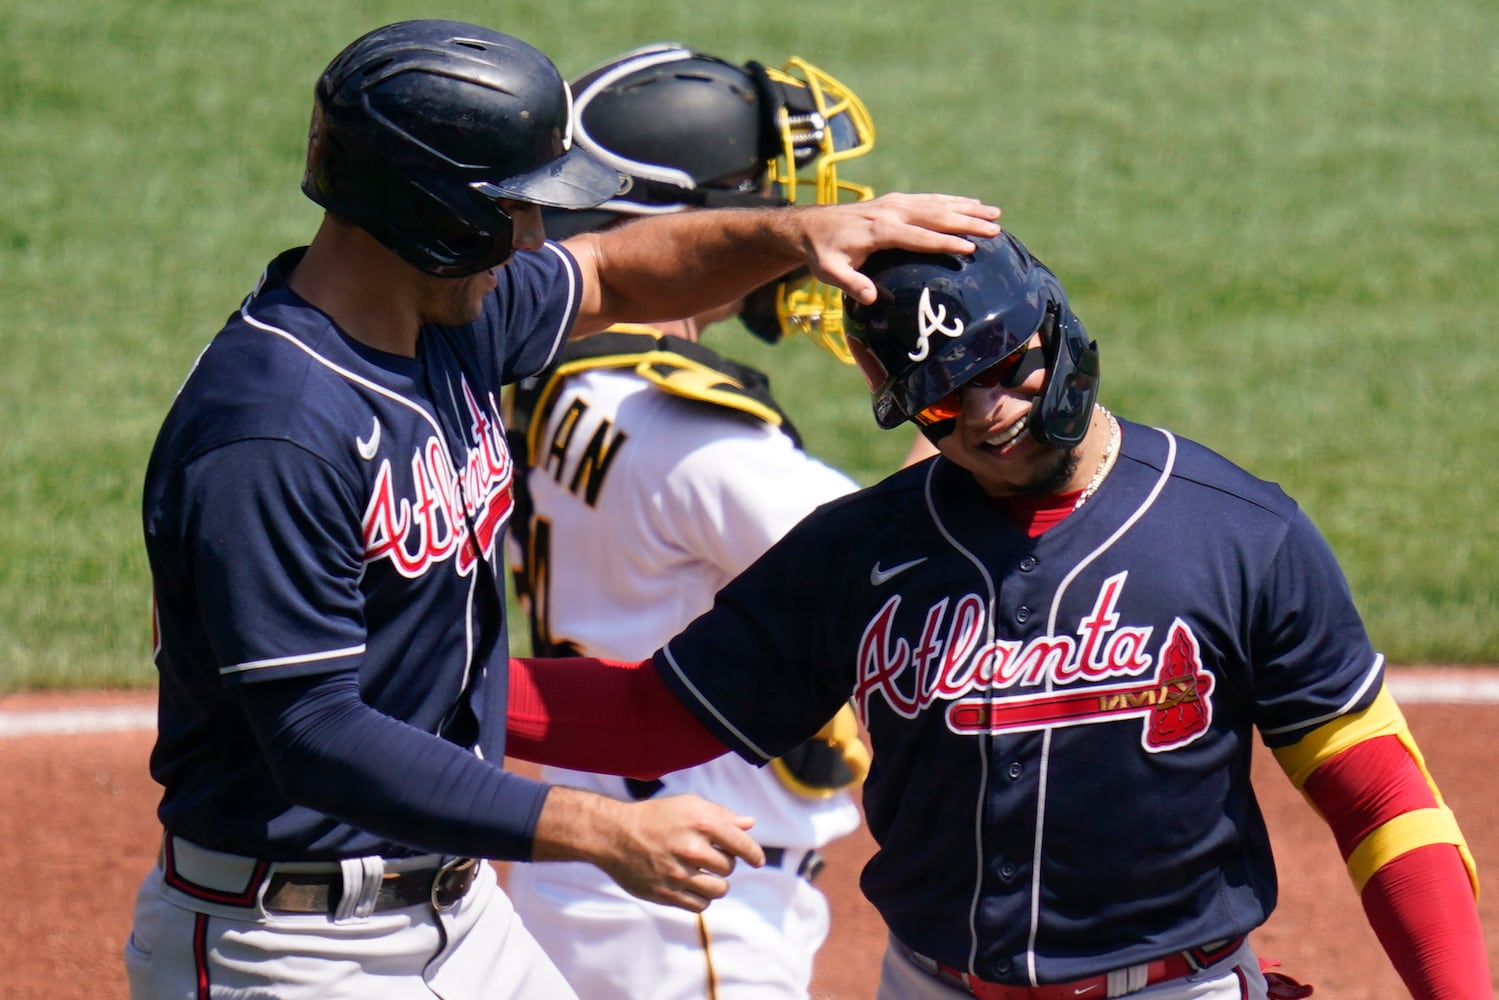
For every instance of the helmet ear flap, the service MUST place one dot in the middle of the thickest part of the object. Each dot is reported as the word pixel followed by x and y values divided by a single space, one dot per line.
pixel 772 109
pixel 1061 413
pixel 761 313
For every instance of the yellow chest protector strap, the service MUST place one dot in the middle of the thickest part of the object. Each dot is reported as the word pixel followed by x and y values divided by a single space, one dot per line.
pixel 676 366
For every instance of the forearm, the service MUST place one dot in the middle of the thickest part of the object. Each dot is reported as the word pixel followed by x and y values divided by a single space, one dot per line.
pixel 1420 906
pixel 679 265
pixel 576 825
pixel 1405 853
pixel 672 266
pixel 327 750
pixel 603 716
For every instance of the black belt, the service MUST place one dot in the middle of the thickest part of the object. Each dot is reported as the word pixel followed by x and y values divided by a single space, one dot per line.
pixel 304 892
pixel 808 863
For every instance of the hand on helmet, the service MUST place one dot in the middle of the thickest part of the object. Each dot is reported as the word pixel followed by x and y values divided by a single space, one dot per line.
pixel 838 238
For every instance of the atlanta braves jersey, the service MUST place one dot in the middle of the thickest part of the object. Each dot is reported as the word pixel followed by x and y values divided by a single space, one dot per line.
pixel 313 505
pixel 1062 725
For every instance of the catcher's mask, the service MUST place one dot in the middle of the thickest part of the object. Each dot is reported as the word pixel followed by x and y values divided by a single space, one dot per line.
pixel 689 130
pixel 419 128
pixel 941 320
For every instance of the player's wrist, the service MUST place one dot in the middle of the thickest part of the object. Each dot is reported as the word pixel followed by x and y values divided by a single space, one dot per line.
pixel 576 825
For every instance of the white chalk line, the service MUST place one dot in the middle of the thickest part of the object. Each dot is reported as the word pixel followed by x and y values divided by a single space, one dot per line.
pixel 74 721
pixel 1449 689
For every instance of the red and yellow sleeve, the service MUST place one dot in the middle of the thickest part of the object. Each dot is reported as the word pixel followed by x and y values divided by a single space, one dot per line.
pixel 1405 853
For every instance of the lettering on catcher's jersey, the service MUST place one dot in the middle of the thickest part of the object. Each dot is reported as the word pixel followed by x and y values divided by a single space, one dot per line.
pixel 950 662
pixel 593 460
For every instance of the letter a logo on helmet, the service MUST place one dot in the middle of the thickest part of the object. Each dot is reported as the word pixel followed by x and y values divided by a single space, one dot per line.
pixel 930 321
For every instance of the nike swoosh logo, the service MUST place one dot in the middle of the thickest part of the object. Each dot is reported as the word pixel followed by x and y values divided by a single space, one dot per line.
pixel 878 576
pixel 1085 989
pixel 369 447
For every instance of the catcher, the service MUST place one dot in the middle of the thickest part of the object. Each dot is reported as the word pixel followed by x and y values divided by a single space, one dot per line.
pixel 656 471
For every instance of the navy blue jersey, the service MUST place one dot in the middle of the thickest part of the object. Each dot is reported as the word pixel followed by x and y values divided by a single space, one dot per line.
pixel 314 505
pixel 1062 725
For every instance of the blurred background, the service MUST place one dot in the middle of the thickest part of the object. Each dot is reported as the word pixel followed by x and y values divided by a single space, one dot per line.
pixel 1280 220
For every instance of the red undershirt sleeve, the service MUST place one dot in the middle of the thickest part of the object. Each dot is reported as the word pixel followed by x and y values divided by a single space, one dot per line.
pixel 1421 908
pixel 1403 848
pixel 605 716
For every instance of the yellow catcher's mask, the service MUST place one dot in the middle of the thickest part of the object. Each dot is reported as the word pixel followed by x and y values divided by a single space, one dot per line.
pixel 822 124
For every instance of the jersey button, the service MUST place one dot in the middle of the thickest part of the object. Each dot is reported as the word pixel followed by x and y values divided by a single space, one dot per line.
pixel 1002 967
pixel 1027 564
pixel 1007 872
pixel 1014 770
pixel 1022 615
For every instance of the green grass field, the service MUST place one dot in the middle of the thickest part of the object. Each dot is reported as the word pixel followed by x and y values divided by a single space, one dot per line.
pixel 1281 220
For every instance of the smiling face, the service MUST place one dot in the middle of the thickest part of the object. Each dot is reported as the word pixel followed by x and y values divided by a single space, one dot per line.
pixel 990 438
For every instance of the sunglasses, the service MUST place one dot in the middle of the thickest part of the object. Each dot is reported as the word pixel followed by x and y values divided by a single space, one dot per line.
pixel 1009 372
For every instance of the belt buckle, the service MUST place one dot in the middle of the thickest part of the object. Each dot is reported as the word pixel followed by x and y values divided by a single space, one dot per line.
pixel 452 881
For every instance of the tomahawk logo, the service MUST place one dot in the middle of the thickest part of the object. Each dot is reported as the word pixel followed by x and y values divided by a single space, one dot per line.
pixel 931 320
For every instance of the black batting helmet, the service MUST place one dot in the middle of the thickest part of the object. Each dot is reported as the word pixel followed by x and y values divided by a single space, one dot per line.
pixel 420 126
pixel 690 130
pixel 941 319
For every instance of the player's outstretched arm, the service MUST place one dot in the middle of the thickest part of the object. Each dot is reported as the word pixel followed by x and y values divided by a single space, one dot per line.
pixel 671 266
pixel 1402 845
pixel 607 716
pixel 676 850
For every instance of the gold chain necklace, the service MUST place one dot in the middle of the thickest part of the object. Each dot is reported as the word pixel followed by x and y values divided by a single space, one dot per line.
pixel 1104 464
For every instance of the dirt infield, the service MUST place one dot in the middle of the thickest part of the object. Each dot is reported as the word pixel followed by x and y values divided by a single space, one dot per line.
pixel 77 822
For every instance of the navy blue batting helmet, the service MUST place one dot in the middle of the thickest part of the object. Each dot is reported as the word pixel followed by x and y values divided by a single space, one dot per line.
pixel 420 127
pixel 940 320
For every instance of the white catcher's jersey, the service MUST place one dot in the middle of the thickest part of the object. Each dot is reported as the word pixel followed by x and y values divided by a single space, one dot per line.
pixel 644 502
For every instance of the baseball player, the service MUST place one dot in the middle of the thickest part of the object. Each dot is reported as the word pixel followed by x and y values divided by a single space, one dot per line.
pixel 656 471
pixel 1064 634
pixel 322 511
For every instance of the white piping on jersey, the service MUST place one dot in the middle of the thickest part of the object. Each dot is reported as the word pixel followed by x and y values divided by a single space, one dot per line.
pixel 1341 710
pixel 281 661
pixel 469 618
pixel 983 787
pixel 193 367
pixel 749 744
pixel 376 387
pixel 574 293
pixel 395 397
pixel 1051 625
